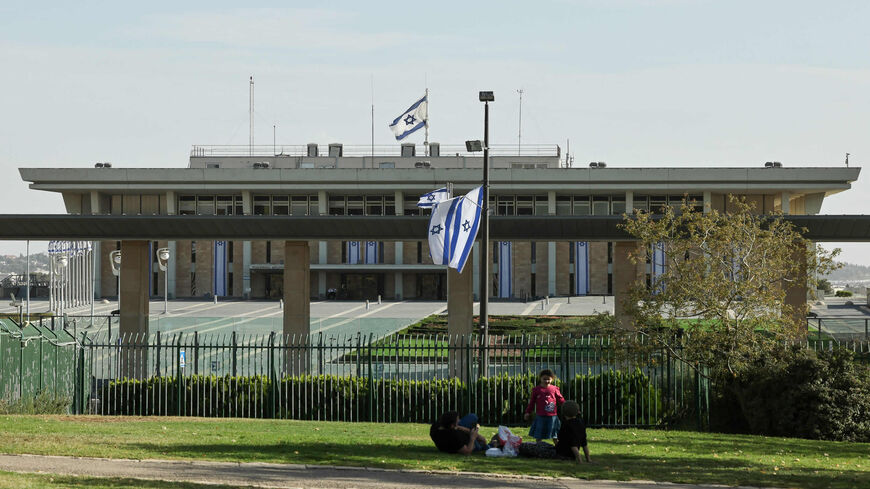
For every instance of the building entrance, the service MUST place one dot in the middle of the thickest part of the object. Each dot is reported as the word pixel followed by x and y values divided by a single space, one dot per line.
pixel 431 286
pixel 362 286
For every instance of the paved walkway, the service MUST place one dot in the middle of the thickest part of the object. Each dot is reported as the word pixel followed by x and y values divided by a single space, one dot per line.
pixel 301 476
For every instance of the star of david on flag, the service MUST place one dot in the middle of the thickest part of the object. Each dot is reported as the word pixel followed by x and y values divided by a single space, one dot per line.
pixel 430 199
pixel 450 239
pixel 414 118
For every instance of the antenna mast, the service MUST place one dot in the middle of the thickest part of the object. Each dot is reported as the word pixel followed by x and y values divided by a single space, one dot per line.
pixel 251 118
pixel 520 133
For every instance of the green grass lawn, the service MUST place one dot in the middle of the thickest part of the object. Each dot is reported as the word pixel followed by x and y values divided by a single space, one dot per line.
pixel 677 456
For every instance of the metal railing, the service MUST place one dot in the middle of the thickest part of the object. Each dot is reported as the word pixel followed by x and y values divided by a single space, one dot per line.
pixel 398 378
pixel 839 328
pixel 393 150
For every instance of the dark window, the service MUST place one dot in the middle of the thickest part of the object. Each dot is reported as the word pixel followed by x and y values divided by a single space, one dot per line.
pixel 268 252
pixel 534 253
pixel 230 249
pixel 193 252
pixel 230 283
pixel 419 252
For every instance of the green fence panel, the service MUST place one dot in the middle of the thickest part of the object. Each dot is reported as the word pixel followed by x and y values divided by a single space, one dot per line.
pixel 66 364
pixel 10 360
pixel 47 360
pixel 31 358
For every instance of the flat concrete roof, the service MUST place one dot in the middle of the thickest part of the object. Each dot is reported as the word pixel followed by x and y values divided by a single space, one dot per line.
pixel 569 180
pixel 382 228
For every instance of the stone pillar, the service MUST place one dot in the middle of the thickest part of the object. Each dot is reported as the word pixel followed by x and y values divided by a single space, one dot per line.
pixel 247 210
pixel 297 306
pixel 460 316
pixel 629 202
pixel 171 210
pixel 708 202
pixel 785 203
pixel 134 307
pixel 625 274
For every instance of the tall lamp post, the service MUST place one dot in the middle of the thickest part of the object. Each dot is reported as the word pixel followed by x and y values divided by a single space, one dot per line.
pixel 486 97
pixel 163 263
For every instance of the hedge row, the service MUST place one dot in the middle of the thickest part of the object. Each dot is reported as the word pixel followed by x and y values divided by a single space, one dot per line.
pixel 612 398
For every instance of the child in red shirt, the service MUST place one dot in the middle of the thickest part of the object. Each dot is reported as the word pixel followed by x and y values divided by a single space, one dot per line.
pixel 544 399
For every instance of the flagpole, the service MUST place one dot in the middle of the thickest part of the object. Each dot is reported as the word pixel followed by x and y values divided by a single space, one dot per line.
pixel 373 121
pixel 426 141
pixel 484 244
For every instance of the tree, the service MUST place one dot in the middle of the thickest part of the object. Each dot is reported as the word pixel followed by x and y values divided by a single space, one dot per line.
pixel 825 284
pixel 720 302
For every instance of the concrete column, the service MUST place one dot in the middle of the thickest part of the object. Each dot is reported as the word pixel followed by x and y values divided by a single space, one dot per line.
pixel 796 290
pixel 785 203
pixel 247 207
pixel 95 203
pixel 625 274
pixel 551 248
pixel 171 208
pixel 460 325
pixel 629 202
pixel 171 269
pixel 297 306
pixel 134 306
pixel 551 268
pixel 475 262
pixel 708 202
pixel 399 276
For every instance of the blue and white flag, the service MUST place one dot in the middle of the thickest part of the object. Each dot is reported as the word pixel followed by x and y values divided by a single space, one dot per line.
pixel 581 268
pixel 658 265
pixel 453 227
pixel 412 119
pixel 353 252
pixel 220 268
pixel 430 199
pixel 371 255
pixel 505 262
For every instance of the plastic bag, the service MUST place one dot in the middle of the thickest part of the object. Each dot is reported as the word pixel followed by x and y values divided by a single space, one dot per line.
pixel 509 441
pixel 495 452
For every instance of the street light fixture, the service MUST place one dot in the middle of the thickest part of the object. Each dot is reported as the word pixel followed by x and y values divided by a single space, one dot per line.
pixel 115 260
pixel 60 262
pixel 163 263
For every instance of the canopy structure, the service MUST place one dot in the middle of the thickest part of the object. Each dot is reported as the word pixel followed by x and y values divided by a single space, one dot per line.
pixel 387 228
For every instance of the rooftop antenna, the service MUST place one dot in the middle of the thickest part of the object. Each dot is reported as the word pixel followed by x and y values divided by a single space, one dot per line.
pixel 251 118
pixel 520 133
pixel 847 160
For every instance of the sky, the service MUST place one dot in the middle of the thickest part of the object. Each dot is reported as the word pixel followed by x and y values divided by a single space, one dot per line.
pixel 657 83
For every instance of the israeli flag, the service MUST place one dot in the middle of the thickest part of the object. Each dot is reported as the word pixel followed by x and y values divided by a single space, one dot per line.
pixel 371 255
pixel 505 262
pixel 353 253
pixel 220 268
pixel 581 268
pixel 658 265
pixel 412 119
pixel 453 227
pixel 430 199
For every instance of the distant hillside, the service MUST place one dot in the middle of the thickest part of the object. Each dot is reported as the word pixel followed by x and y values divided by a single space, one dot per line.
pixel 16 265
pixel 850 272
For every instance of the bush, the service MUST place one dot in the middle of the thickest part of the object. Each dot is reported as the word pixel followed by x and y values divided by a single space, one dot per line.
pixel 43 403
pixel 843 293
pixel 801 393
pixel 609 398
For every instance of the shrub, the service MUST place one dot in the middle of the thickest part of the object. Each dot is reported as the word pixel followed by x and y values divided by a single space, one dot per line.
pixel 43 403
pixel 609 398
pixel 804 394
pixel 843 293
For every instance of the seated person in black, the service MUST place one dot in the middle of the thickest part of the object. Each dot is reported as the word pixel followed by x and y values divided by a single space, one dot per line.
pixel 572 437
pixel 452 435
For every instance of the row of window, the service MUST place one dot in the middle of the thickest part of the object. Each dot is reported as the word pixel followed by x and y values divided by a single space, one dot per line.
pixel 385 205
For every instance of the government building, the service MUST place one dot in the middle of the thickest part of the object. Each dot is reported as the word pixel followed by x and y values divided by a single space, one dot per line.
pixel 333 179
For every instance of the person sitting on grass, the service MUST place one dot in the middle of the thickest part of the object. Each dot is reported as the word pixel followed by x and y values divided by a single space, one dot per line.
pixel 453 435
pixel 572 437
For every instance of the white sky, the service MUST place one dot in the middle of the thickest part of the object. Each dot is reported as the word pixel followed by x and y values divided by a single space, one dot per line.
pixel 629 82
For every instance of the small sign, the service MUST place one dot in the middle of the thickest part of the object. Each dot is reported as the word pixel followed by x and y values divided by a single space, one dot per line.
pixel 182 357
pixel 215 365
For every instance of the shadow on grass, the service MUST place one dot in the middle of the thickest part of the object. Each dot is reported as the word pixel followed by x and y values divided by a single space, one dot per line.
pixel 704 461
pixel 66 481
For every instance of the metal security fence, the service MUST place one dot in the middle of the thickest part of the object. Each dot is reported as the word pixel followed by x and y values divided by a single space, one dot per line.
pixel 397 378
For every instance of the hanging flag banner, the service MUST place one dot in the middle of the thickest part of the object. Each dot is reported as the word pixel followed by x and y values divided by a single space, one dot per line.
pixel 220 268
pixel 430 199
pixel 505 267
pixel 353 252
pixel 581 268
pixel 412 119
pixel 453 227
pixel 371 255
pixel 658 265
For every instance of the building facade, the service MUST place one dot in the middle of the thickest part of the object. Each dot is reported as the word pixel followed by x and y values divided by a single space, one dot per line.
pixel 336 180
